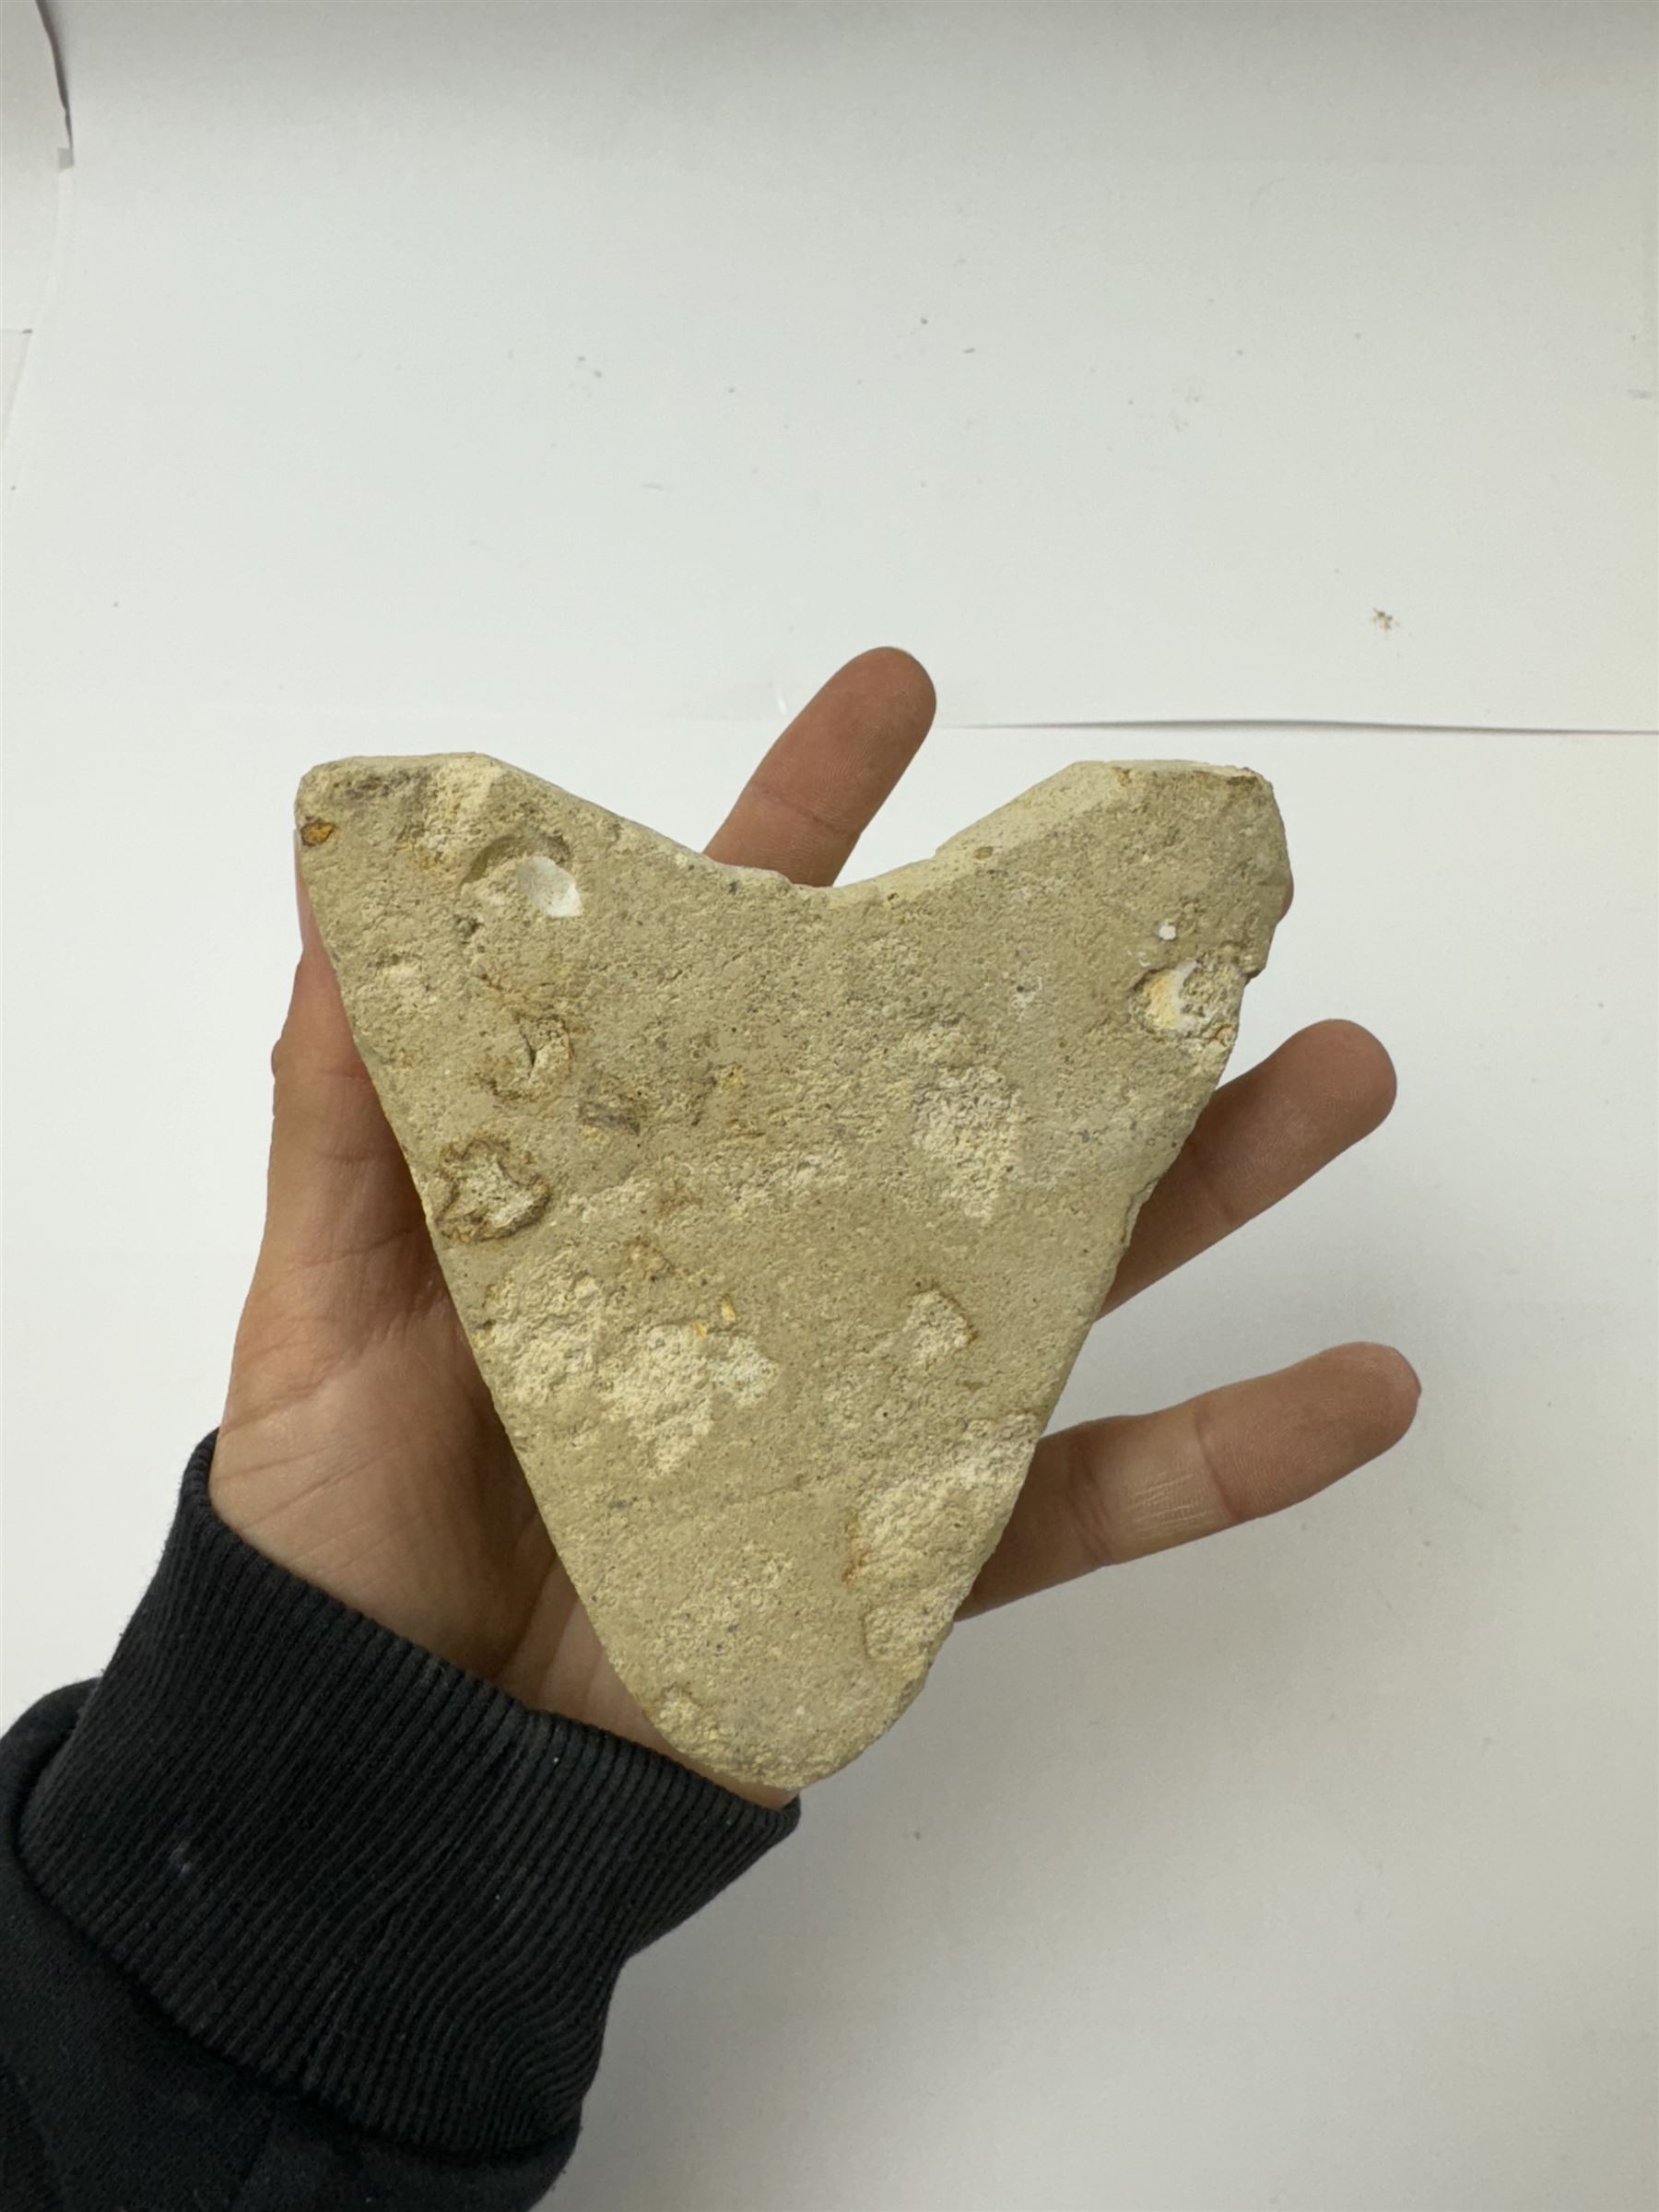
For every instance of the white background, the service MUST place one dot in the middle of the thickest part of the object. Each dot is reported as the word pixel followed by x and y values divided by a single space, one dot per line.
pixel 1312 1868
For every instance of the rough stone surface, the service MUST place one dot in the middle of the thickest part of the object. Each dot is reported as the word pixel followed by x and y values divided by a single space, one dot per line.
pixel 777 1216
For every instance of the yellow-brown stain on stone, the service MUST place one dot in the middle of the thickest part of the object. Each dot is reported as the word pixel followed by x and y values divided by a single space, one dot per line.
pixel 490 1193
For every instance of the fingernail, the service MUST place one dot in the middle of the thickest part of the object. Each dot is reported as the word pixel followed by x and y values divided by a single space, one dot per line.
pixel 311 937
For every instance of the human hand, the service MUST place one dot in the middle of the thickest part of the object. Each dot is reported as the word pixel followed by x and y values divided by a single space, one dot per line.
pixel 360 1449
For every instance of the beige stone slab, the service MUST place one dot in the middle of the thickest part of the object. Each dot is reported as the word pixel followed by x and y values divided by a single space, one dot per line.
pixel 776 1216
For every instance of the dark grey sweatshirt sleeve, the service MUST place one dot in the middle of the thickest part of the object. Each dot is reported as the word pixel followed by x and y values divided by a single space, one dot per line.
pixel 295 1914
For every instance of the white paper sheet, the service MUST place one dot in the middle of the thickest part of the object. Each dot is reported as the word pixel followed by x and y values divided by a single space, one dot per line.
pixel 1181 362
pixel 34 162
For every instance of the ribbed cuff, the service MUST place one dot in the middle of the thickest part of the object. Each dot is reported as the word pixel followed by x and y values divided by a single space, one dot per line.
pixel 348 1865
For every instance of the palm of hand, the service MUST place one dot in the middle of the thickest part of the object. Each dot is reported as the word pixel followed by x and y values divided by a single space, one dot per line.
pixel 360 1448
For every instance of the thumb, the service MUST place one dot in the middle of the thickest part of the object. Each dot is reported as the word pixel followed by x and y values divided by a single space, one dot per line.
pixel 337 1187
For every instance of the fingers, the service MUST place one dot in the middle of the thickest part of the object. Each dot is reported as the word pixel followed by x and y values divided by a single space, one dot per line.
pixel 1257 1139
pixel 337 1185
pixel 820 783
pixel 1115 1489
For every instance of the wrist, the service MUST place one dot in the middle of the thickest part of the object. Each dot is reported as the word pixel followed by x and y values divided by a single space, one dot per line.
pixel 280 1481
pixel 355 1870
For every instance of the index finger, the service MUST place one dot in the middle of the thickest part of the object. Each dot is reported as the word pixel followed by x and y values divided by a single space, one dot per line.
pixel 820 784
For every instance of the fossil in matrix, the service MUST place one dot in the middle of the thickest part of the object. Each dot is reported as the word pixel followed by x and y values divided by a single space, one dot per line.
pixel 776 1215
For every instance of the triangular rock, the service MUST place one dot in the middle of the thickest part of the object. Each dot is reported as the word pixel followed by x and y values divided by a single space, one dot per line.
pixel 776 1216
